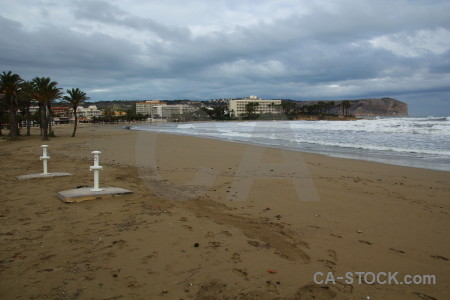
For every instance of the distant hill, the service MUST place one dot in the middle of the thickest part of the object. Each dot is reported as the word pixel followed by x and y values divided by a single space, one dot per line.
pixel 373 107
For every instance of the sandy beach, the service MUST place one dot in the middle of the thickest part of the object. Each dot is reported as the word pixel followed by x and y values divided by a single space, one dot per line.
pixel 215 220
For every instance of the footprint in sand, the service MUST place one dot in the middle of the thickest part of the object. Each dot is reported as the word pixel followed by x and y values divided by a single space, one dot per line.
pixel 336 235
pixel 365 242
pixel 188 227
pixel 271 287
pixel 214 244
pixel 109 254
pixel 89 277
pixel 45 270
pixel 227 233
pixel 46 228
pixel 47 256
pixel 439 257
pixel 118 243
pixel 396 250
pixel 314 226
pixel 328 263
pixel 132 283
pixel 153 255
pixel 424 296
pixel 311 291
pixel 236 257
pixel 241 272
pixel 332 254
pixel 258 244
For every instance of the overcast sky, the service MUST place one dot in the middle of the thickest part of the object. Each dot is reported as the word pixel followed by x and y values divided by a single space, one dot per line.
pixel 202 49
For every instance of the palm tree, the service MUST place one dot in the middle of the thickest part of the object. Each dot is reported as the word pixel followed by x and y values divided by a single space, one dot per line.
pixel 321 105
pixel 76 97
pixel 45 91
pixel 251 108
pixel 26 100
pixel 330 107
pixel 338 108
pixel 345 106
pixel 10 85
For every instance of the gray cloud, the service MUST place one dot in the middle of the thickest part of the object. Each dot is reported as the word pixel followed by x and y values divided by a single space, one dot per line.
pixel 104 12
pixel 303 50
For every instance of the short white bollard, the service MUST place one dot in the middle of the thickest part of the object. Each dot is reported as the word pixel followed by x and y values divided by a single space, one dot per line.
pixel 45 158
pixel 96 168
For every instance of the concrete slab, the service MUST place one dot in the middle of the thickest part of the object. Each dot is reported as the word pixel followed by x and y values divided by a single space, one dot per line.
pixel 83 194
pixel 42 175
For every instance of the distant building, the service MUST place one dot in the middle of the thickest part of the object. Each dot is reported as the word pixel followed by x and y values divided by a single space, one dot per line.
pixel 238 107
pixel 88 112
pixel 161 110
pixel 61 114
pixel 62 111
pixel 147 107
pixel 166 111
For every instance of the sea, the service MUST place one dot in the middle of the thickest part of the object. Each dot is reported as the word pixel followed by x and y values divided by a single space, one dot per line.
pixel 422 142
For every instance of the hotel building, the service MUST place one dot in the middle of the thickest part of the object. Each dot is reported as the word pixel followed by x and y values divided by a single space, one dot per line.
pixel 147 108
pixel 166 111
pixel 158 109
pixel 237 107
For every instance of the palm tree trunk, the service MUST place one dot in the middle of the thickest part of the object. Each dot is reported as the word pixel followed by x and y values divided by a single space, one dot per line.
pixel 13 120
pixel 40 119
pixel 50 119
pixel 44 123
pixel 28 121
pixel 41 123
pixel 76 121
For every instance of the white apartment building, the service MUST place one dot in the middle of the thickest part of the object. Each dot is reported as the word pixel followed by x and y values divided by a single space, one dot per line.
pixel 88 112
pixel 237 107
pixel 166 111
pixel 161 110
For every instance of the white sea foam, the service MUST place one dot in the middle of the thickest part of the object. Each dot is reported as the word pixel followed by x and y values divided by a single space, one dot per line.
pixel 188 126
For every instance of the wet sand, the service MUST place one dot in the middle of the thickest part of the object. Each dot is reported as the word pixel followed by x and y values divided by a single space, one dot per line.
pixel 215 220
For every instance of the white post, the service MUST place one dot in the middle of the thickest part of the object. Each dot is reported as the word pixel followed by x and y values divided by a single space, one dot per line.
pixel 44 158
pixel 96 168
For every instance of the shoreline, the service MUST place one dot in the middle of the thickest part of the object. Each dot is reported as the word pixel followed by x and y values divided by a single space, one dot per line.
pixel 371 155
pixel 337 156
pixel 369 217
